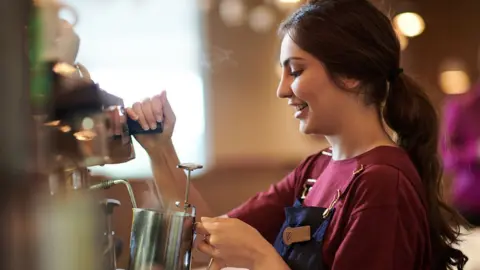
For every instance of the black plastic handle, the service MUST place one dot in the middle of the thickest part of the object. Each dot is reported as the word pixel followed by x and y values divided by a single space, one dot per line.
pixel 134 128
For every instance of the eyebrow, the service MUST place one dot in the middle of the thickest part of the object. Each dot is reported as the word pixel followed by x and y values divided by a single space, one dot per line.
pixel 287 61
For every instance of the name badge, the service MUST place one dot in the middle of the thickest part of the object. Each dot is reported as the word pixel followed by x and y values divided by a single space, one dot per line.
pixel 296 235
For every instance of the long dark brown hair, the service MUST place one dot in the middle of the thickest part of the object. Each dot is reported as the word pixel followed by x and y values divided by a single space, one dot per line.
pixel 353 39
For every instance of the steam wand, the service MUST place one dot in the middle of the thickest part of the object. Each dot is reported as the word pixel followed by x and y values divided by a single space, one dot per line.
pixel 109 183
pixel 189 167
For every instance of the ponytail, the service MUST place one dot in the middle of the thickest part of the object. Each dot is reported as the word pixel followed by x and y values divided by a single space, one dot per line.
pixel 412 116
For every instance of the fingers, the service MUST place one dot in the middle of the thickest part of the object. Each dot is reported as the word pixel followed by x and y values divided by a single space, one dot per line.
pixel 137 108
pixel 151 111
pixel 167 110
pixel 200 229
pixel 209 236
pixel 214 225
pixel 209 227
pixel 157 107
pixel 131 113
pixel 206 239
pixel 208 249
pixel 208 245
pixel 147 109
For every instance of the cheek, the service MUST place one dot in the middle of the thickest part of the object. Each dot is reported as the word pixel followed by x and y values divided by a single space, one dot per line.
pixel 314 86
pixel 305 89
pixel 319 93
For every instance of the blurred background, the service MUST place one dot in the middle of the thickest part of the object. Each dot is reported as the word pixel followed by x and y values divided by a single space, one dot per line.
pixel 218 61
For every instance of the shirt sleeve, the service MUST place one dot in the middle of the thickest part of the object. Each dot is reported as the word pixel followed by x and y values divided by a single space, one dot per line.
pixel 457 148
pixel 370 241
pixel 376 236
pixel 265 211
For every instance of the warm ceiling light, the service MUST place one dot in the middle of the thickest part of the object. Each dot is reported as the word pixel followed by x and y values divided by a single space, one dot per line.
pixel 232 12
pixel 453 78
pixel 286 5
pixel 262 19
pixel 409 23
pixel 454 82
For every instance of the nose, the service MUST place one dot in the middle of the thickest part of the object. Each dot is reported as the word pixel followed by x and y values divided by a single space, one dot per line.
pixel 284 90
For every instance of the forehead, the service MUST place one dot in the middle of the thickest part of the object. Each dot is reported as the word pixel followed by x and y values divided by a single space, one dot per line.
pixel 290 49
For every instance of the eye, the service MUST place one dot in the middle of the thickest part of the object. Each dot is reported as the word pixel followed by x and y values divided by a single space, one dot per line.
pixel 296 73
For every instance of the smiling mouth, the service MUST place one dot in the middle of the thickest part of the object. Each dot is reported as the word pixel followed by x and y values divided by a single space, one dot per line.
pixel 301 107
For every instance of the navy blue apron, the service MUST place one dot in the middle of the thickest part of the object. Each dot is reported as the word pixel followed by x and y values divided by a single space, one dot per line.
pixel 300 240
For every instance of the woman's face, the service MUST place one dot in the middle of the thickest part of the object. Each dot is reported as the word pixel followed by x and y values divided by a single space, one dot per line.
pixel 317 102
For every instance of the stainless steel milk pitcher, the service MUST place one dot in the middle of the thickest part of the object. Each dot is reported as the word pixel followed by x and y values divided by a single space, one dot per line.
pixel 163 240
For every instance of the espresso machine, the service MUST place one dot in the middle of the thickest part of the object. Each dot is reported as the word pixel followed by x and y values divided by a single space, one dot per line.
pixel 91 129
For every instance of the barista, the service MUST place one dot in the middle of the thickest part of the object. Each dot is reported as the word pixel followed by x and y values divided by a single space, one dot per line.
pixel 369 202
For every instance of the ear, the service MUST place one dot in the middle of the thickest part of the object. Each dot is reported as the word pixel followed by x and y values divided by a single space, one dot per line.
pixel 350 83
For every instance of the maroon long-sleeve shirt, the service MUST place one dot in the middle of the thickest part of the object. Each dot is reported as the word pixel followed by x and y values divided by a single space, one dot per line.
pixel 379 224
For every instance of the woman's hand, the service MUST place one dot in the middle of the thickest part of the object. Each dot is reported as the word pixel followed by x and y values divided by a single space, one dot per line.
pixel 233 243
pixel 148 113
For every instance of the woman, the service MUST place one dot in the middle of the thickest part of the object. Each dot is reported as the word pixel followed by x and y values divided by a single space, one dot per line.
pixel 366 203
pixel 461 151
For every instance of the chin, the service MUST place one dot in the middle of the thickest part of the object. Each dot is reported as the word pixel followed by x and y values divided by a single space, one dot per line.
pixel 305 128
pixel 309 127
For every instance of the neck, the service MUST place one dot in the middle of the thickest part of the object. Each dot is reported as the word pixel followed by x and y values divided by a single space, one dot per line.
pixel 358 136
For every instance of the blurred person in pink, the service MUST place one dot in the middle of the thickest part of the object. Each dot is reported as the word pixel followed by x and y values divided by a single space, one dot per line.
pixel 461 151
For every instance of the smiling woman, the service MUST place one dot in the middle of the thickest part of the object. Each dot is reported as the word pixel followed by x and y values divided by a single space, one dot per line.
pixel 127 47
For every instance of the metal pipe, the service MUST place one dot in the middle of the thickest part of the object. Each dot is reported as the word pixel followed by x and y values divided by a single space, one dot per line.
pixel 187 191
pixel 109 183
pixel 189 167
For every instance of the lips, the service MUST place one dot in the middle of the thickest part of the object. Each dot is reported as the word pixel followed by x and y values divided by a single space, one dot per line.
pixel 301 106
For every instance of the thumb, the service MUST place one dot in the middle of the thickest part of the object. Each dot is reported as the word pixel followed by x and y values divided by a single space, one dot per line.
pixel 167 110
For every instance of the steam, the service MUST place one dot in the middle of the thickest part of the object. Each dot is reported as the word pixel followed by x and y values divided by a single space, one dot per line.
pixel 218 57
